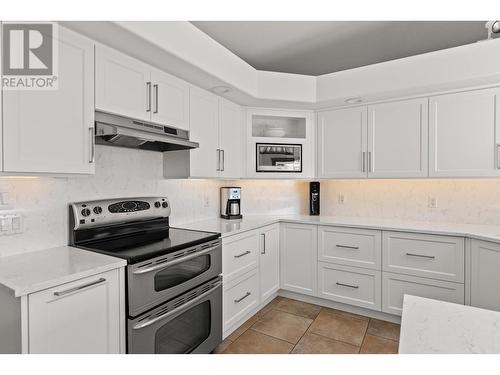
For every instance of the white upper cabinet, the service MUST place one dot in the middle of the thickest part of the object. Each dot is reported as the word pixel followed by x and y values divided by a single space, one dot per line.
pixel 1 122
pixel 464 134
pixel 398 139
pixel 230 139
pixel 342 137
pixel 123 84
pixel 170 100
pixel 52 131
pixel 204 128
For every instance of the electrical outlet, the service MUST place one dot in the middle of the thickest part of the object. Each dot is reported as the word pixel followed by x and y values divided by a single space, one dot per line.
pixel 6 200
pixel 432 202
pixel 206 201
pixel 11 224
pixel 341 198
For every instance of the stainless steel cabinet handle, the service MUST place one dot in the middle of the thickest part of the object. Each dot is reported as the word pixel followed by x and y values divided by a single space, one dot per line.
pixel 264 243
pixel 498 156
pixel 218 159
pixel 76 288
pixel 363 161
pixel 148 96
pixel 421 256
pixel 348 247
pixel 155 86
pixel 369 161
pixel 348 286
pixel 92 146
pixel 164 265
pixel 242 298
pixel 242 254
pixel 186 306
pixel 223 161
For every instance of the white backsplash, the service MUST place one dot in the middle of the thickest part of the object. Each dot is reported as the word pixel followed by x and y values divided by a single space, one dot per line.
pixel 43 201
pixel 475 201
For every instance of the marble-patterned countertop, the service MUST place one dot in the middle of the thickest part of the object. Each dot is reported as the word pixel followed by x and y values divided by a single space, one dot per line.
pixel 249 222
pixel 436 327
pixel 34 271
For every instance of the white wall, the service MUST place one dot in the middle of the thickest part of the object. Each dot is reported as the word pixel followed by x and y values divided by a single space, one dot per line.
pixel 474 201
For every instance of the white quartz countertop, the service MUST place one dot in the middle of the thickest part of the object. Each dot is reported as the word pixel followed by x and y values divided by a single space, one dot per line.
pixel 250 222
pixel 34 271
pixel 431 327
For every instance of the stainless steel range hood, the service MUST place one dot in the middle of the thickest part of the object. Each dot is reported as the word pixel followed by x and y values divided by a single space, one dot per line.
pixel 118 131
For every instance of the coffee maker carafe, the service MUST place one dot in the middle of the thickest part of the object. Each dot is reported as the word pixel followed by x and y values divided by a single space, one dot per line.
pixel 230 203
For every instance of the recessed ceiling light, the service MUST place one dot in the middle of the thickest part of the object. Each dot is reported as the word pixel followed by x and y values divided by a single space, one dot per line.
pixel 221 89
pixel 354 100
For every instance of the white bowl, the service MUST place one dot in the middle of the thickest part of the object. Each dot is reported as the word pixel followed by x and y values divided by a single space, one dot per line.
pixel 274 132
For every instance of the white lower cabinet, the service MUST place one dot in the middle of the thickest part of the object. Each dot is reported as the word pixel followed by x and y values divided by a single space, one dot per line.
pixel 240 254
pixel 485 275
pixel 84 316
pixel 269 264
pixel 298 258
pixel 395 286
pixel 241 299
pixel 350 285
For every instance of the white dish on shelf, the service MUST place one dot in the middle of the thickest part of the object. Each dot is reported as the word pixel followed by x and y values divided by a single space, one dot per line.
pixel 274 132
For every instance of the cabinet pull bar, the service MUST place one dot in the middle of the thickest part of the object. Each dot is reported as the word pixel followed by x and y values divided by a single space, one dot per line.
pixel 148 96
pixel 92 146
pixel 363 161
pixel 242 254
pixel 421 256
pixel 67 291
pixel 498 156
pixel 218 159
pixel 348 247
pixel 369 161
pixel 349 286
pixel 155 86
pixel 242 298
pixel 223 160
pixel 264 243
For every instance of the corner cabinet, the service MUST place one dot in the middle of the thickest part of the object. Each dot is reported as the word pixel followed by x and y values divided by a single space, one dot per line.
pixel 276 127
pixel 298 258
pixel 52 131
pixel 464 134
pixel 484 275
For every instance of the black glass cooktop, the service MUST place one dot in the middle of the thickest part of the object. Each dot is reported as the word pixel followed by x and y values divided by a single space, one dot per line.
pixel 147 244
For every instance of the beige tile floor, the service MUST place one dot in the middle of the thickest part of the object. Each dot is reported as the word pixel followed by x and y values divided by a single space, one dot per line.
pixel 290 326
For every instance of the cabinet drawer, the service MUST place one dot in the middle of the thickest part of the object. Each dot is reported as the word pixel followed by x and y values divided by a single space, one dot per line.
pixel 240 298
pixel 351 285
pixel 436 257
pixel 350 247
pixel 240 254
pixel 396 286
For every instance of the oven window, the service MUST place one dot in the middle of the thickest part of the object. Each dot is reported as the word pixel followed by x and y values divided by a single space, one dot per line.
pixel 186 332
pixel 182 272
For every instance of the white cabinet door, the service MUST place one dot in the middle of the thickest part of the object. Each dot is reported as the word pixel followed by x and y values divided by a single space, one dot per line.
pixel 78 317
pixel 170 100
pixel 398 139
pixel 342 143
pixel 464 134
pixel 122 84
pixel 269 261
pixel 485 275
pixel 52 131
pixel 1 122
pixel 204 128
pixel 298 258
pixel 230 139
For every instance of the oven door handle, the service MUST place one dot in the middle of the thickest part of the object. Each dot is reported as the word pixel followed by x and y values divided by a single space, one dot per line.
pixel 173 262
pixel 187 305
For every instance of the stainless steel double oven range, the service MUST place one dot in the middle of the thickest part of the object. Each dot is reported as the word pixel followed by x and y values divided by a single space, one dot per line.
pixel 173 282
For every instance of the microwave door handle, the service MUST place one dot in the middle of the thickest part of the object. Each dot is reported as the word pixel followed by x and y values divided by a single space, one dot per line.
pixel 186 306
pixel 155 267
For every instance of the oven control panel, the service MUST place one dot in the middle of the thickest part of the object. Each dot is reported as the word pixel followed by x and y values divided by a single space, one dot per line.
pixel 110 211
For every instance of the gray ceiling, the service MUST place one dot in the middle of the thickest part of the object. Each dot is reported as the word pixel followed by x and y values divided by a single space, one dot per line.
pixel 320 47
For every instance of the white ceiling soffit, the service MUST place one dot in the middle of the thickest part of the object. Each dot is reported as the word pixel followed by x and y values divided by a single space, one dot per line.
pixel 180 48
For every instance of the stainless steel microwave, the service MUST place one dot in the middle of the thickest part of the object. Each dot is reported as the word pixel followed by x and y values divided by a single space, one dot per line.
pixel 279 157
